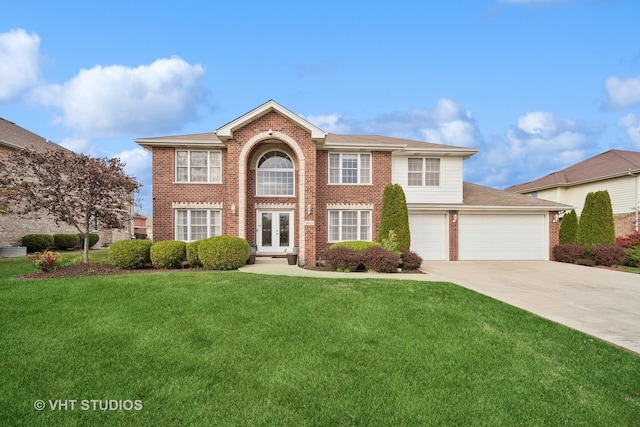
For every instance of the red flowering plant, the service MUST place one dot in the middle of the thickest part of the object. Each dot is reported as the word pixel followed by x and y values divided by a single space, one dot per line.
pixel 46 261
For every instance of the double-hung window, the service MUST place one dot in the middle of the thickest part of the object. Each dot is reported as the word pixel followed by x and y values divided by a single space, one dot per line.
pixel 349 225
pixel 198 166
pixel 196 224
pixel 424 172
pixel 349 168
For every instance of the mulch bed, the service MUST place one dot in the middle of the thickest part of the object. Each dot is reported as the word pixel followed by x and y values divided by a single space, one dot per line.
pixel 81 270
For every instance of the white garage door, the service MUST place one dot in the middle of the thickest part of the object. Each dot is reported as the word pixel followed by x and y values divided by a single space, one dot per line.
pixel 429 235
pixel 502 237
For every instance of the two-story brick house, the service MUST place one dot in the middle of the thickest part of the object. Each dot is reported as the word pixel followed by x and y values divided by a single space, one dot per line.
pixel 276 179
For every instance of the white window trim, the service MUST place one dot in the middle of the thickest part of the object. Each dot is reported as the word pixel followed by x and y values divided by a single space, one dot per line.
pixel 359 217
pixel 340 154
pixel 423 172
pixel 189 225
pixel 188 181
pixel 293 170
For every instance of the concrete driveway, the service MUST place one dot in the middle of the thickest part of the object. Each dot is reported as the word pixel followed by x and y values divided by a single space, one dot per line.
pixel 599 302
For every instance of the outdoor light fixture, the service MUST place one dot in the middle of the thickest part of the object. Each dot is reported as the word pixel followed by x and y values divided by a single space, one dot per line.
pixel 233 209
pixel 556 218
pixel 455 217
pixel 308 209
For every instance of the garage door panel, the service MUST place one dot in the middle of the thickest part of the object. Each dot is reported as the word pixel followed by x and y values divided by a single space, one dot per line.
pixel 429 235
pixel 502 237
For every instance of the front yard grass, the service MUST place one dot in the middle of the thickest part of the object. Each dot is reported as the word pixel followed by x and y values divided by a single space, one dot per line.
pixel 211 348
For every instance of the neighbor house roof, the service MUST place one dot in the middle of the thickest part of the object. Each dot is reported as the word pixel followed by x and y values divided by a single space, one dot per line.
pixel 610 164
pixel 14 137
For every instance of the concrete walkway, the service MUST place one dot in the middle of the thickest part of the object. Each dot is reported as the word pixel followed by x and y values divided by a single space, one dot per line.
pixel 602 303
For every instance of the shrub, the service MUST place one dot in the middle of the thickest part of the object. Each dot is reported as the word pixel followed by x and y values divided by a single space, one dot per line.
pixel 632 256
pixel 168 254
pixel 46 261
pixel 569 228
pixel 632 239
pixel 356 245
pixel 410 260
pixel 381 260
pixel 568 252
pixel 94 238
pixel 223 252
pixel 586 262
pixel 192 254
pixel 608 255
pixel 596 225
pixel 37 242
pixel 342 258
pixel 395 216
pixel 66 241
pixel 130 254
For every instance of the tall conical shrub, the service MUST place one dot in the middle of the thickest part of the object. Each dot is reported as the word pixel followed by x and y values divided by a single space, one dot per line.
pixel 569 228
pixel 605 232
pixel 395 216
pixel 586 223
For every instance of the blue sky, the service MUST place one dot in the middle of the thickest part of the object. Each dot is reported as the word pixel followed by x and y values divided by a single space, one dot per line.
pixel 535 85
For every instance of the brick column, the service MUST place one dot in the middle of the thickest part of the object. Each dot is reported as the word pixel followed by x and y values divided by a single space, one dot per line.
pixel 453 235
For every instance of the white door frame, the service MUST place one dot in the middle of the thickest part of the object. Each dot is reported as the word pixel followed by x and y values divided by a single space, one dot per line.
pixel 275 248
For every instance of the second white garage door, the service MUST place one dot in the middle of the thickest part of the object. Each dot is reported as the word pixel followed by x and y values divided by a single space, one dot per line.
pixel 502 237
pixel 429 235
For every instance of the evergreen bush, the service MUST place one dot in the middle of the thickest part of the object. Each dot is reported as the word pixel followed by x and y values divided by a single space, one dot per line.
pixel 192 254
pixel 356 245
pixel 168 254
pixel 223 252
pixel 596 226
pixel 37 242
pixel 632 256
pixel 130 254
pixel 94 238
pixel 66 241
pixel 395 216
pixel 569 228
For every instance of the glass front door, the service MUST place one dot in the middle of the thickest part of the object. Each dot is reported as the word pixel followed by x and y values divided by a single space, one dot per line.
pixel 275 231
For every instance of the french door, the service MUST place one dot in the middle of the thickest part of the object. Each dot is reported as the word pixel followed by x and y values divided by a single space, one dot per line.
pixel 275 231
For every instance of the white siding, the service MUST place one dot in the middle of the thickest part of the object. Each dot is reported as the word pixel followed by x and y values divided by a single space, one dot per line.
pixel 449 190
pixel 621 190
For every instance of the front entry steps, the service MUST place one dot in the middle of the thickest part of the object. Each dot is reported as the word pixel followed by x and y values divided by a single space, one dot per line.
pixel 271 259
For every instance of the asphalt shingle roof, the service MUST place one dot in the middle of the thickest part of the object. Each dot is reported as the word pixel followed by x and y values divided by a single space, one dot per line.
pixel 15 137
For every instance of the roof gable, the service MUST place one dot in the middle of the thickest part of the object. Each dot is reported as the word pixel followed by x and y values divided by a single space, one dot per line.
pixel 610 164
pixel 226 131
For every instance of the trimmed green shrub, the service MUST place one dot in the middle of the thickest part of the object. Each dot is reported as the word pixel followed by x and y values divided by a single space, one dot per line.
pixel 608 255
pixel 168 254
pixel 568 252
pixel 37 242
pixel 344 259
pixel 569 228
pixel 356 245
pixel 632 256
pixel 130 254
pixel 192 254
pixel 223 252
pixel 410 260
pixel 66 241
pixel 94 238
pixel 596 225
pixel 395 216
pixel 380 260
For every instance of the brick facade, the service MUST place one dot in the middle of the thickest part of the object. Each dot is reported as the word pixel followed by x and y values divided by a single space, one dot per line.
pixel 625 223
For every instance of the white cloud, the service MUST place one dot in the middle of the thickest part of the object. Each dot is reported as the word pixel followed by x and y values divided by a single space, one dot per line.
pixel 332 123
pixel 539 144
pixel 631 125
pixel 623 93
pixel 19 67
pixel 138 162
pixel 77 144
pixel 106 101
pixel 446 123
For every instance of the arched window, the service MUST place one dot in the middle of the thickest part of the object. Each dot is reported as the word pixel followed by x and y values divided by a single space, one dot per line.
pixel 275 175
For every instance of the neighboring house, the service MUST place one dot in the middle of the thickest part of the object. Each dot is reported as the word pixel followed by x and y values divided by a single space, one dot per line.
pixel 277 180
pixel 13 227
pixel 616 171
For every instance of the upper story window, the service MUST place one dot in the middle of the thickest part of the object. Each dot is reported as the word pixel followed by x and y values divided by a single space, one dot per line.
pixel 349 168
pixel 424 172
pixel 198 166
pixel 275 175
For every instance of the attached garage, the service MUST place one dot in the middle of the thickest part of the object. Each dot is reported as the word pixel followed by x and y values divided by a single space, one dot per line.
pixel 429 235
pixel 498 236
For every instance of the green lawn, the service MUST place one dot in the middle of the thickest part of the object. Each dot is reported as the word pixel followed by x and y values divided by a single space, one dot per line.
pixel 211 348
